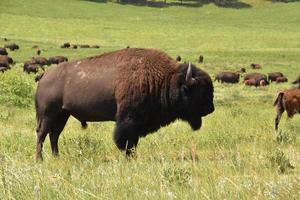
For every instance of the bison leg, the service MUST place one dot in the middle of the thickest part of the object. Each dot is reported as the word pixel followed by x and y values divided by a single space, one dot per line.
pixel 126 137
pixel 56 129
pixel 42 131
pixel 277 120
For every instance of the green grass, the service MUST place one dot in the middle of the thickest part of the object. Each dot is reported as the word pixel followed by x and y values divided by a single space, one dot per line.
pixel 235 155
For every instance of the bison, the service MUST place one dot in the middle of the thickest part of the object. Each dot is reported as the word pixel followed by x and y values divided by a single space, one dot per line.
pixel 38 52
pixel 84 46
pixel 74 46
pixel 274 75
pixel 282 79
pixel 289 101
pixel 65 45
pixel 57 59
pixel 257 77
pixel 3 51
pixel 228 77
pixel 242 70
pixel 140 89
pixel 178 58
pixel 200 59
pixel 7 59
pixel 255 66
pixel 95 46
pixel 42 61
pixel 31 68
pixel 12 46
pixel 250 82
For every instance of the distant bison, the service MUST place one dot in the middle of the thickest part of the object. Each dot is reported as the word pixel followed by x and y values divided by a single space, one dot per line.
pixel 228 77
pixel 7 59
pixel 3 51
pixel 65 45
pixel 274 75
pixel 38 52
pixel 11 47
pixel 84 46
pixel 255 66
pixel 42 61
pixel 141 89
pixel 242 70
pixel 289 101
pixel 282 79
pixel 201 59
pixel 95 46
pixel 178 58
pixel 57 59
pixel 74 46
pixel 257 77
pixel 31 68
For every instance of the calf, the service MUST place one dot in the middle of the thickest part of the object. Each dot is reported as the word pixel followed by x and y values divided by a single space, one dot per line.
pixel 255 66
pixel 3 51
pixel 281 79
pixel 289 101
pixel 274 75
pixel 12 46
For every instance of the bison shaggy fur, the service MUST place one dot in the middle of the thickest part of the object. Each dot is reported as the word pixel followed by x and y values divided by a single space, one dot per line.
pixel 141 89
pixel 228 77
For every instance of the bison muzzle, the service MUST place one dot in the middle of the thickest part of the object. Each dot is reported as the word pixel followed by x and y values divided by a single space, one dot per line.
pixel 140 89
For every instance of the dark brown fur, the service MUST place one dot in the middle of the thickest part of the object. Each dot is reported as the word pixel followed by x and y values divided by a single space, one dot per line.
pixel 274 75
pixel 228 77
pixel 282 79
pixel 11 47
pixel 289 101
pixel 255 66
pixel 3 51
pixel 140 89
pixel 57 59
pixel 257 77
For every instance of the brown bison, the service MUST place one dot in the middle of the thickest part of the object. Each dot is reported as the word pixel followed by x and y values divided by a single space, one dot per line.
pixel 74 46
pixel 250 82
pixel 31 68
pixel 178 58
pixel 40 61
pixel 95 46
pixel 57 59
pixel 274 75
pixel 3 51
pixel 289 101
pixel 200 59
pixel 257 77
pixel 7 59
pixel 255 66
pixel 141 89
pixel 84 46
pixel 228 77
pixel 242 70
pixel 282 79
pixel 11 47
pixel 65 45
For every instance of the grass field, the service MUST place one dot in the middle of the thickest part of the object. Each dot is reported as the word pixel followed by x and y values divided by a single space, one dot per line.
pixel 236 154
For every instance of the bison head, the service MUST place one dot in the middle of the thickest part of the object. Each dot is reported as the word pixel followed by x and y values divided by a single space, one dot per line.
pixel 196 92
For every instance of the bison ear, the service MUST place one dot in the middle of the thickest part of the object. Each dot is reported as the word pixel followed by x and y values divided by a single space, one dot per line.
pixel 189 76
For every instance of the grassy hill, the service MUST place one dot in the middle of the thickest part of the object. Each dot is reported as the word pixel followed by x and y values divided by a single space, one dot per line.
pixel 235 155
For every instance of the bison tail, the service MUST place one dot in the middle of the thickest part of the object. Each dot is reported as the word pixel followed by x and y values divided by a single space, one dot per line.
pixel 279 100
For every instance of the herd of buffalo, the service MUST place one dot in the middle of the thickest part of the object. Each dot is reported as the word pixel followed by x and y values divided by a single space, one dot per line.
pixel 140 89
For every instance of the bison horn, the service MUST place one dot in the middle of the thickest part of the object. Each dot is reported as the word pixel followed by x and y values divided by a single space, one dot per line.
pixel 188 77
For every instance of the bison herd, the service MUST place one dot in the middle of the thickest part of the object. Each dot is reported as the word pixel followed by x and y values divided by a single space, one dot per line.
pixel 140 89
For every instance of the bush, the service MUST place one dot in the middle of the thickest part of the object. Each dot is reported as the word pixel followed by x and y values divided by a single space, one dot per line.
pixel 16 89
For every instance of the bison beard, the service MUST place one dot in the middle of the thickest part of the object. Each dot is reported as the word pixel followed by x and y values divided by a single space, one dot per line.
pixel 140 89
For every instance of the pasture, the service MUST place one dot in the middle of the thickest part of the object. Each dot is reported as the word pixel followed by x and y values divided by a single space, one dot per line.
pixel 235 155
